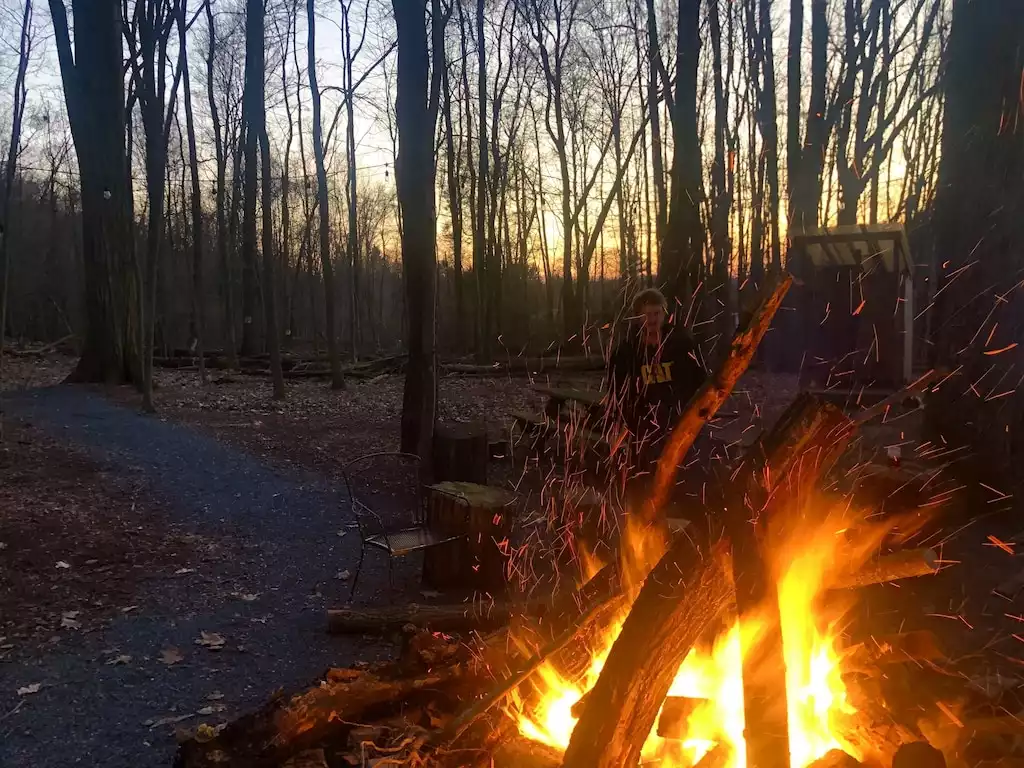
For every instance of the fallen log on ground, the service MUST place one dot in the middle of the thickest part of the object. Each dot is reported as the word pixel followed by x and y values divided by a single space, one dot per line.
pixel 460 616
pixel 286 726
pixel 522 366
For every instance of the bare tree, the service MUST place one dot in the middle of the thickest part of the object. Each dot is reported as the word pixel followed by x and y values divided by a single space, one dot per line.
pixel 147 36
pixel 254 110
pixel 25 41
pixel 94 94
pixel 682 251
pixel 224 243
pixel 198 293
pixel 337 380
pixel 414 175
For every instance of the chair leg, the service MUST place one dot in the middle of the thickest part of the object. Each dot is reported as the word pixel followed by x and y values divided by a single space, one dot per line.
pixel 391 579
pixel 355 580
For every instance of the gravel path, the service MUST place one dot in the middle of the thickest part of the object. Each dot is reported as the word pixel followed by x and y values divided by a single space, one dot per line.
pixel 283 531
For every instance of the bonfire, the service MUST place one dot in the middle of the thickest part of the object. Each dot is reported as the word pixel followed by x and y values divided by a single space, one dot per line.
pixel 723 646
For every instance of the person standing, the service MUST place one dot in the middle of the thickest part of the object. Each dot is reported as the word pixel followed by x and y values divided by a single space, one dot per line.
pixel 652 374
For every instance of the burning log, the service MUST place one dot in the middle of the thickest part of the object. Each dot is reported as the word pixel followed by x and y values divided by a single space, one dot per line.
pixel 718 757
pixel 602 612
pixel 675 712
pixel 916 646
pixel 835 758
pixel 718 387
pixel 918 754
pixel 900 565
pixel 685 591
pixel 787 465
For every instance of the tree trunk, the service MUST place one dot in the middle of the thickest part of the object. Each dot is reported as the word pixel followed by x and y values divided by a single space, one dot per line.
pixel 481 244
pixel 979 207
pixel 683 249
pixel 414 174
pixel 93 83
pixel 352 241
pixel 454 205
pixel 198 295
pixel 654 108
pixel 720 199
pixel 18 109
pixel 767 109
pixel 337 378
pixel 254 109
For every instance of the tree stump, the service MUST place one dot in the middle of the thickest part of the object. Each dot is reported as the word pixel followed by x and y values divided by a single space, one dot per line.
pixel 461 452
pixel 482 515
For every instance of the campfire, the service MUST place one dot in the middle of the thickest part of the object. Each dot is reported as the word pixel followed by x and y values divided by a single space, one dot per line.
pixel 703 715
pixel 723 646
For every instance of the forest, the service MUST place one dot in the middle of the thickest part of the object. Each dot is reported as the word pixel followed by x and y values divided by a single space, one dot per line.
pixel 524 383
pixel 228 178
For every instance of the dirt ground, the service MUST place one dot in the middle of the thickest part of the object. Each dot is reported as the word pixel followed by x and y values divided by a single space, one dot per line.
pixel 75 541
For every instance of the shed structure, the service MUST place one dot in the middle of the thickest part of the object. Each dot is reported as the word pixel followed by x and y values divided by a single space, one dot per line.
pixel 859 294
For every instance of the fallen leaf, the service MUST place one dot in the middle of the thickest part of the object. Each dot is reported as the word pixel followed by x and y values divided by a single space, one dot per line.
pixel 62 564
pixel 71 614
pixel 129 608
pixel 122 659
pixel 343 576
pixel 34 688
pixel 205 711
pixel 67 623
pixel 181 571
pixel 211 640
pixel 171 656
pixel 215 696
pixel 206 732
pixel 168 720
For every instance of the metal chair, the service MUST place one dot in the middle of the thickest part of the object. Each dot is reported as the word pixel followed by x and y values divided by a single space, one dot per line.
pixel 388 502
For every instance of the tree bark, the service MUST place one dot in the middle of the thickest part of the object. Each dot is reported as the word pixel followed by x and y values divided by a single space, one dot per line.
pixel 683 249
pixel 414 174
pixel 337 378
pixel 254 109
pixel 18 109
pixel 979 240
pixel 198 330
pixel 94 92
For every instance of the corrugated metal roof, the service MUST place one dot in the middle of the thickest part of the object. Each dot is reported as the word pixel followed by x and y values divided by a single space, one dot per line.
pixel 857 244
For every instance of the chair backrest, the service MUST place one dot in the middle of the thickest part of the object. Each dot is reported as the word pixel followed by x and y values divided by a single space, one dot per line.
pixel 384 492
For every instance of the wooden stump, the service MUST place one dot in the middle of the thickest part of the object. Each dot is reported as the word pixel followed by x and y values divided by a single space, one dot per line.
pixel 479 513
pixel 461 452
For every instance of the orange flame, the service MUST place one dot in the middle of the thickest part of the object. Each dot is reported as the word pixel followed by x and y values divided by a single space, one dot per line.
pixel 819 709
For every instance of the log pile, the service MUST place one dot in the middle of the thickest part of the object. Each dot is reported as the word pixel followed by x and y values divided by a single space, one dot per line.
pixel 442 701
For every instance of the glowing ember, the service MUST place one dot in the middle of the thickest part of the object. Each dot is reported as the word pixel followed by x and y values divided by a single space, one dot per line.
pixel 819 710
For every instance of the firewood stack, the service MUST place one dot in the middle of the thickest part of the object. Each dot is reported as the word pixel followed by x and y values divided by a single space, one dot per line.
pixel 441 702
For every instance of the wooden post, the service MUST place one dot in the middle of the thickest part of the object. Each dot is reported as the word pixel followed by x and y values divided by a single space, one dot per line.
pixel 481 514
pixel 461 452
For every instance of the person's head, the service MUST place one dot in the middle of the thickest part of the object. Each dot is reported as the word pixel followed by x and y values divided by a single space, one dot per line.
pixel 650 304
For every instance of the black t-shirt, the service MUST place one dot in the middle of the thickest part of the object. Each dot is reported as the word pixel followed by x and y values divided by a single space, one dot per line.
pixel 650 385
